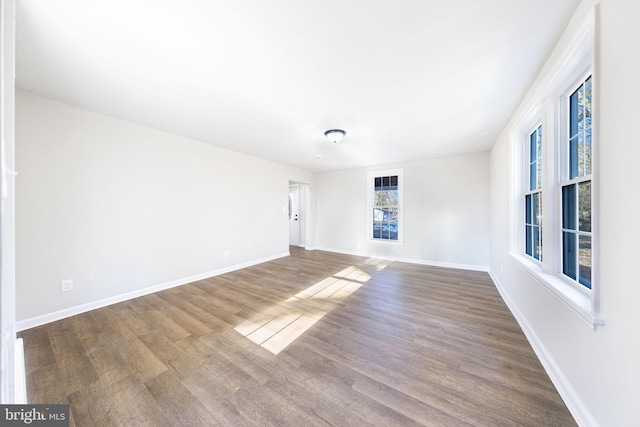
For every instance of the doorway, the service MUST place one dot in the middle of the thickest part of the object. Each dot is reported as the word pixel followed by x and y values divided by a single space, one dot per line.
pixel 299 217
pixel 294 214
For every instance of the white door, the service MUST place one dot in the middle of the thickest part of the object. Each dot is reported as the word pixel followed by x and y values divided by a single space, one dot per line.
pixel 294 214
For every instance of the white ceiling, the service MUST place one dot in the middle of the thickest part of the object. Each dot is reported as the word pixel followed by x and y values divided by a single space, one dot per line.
pixel 406 79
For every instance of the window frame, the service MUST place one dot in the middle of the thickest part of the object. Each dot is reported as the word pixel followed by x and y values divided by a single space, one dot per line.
pixel 565 180
pixel 529 192
pixel 371 176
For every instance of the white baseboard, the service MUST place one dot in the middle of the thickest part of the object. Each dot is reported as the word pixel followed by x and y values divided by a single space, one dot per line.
pixel 83 308
pixel 457 266
pixel 576 406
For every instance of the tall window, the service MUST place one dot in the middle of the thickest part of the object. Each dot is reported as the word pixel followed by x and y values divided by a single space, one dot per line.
pixel 533 197
pixel 576 188
pixel 385 211
pixel 562 167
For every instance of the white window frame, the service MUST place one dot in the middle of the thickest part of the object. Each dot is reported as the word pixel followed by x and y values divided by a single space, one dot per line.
pixel 371 176
pixel 564 180
pixel 548 105
pixel 527 182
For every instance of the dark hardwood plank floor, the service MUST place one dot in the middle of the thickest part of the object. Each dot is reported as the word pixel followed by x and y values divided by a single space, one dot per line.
pixel 314 339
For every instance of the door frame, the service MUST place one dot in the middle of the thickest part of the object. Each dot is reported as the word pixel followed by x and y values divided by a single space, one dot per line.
pixel 304 214
pixel 294 210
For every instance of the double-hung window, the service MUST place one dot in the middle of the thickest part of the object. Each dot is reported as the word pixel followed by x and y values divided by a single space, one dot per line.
pixel 555 143
pixel 533 196
pixel 576 187
pixel 385 205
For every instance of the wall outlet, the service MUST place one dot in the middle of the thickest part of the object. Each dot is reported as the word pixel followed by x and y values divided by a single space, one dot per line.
pixel 66 285
pixel 226 254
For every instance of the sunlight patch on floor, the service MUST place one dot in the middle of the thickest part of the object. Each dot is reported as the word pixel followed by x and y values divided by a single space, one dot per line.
pixel 276 327
pixel 378 264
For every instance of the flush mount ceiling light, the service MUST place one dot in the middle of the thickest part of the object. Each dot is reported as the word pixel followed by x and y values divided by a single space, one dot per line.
pixel 335 135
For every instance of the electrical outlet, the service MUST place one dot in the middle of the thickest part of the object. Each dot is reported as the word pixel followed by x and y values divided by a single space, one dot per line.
pixel 226 254
pixel 66 285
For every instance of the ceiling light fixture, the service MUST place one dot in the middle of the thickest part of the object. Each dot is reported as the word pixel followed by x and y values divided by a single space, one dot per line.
pixel 335 135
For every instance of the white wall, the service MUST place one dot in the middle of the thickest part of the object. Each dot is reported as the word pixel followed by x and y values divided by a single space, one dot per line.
pixel 446 212
pixel 123 209
pixel 597 372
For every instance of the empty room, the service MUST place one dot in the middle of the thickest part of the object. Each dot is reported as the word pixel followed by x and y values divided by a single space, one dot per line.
pixel 305 213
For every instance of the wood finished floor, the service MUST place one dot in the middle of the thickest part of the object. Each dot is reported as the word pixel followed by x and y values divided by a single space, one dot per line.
pixel 314 339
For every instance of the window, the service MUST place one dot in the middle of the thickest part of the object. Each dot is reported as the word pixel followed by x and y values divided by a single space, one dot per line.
pixel 554 179
pixel 533 196
pixel 385 205
pixel 576 188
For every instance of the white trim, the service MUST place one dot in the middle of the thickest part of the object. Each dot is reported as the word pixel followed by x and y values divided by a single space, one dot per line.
pixel 83 308
pixel 453 265
pixel 7 203
pixel 569 293
pixel 579 410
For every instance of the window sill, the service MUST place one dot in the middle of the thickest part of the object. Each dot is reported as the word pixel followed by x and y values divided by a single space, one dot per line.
pixel 386 242
pixel 576 300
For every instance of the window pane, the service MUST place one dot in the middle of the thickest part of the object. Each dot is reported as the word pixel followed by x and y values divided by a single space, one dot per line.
pixel 535 159
pixel 533 143
pixel 585 261
pixel 569 254
pixel 386 198
pixel 378 216
pixel 390 230
pixel 391 214
pixel 539 141
pixel 537 243
pixel 536 214
pixel 533 176
pixel 569 207
pixel 539 208
pixel 573 114
pixel 386 183
pixel 528 208
pixel 581 154
pixel 573 158
pixel 580 92
pixel 584 206
pixel 528 240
